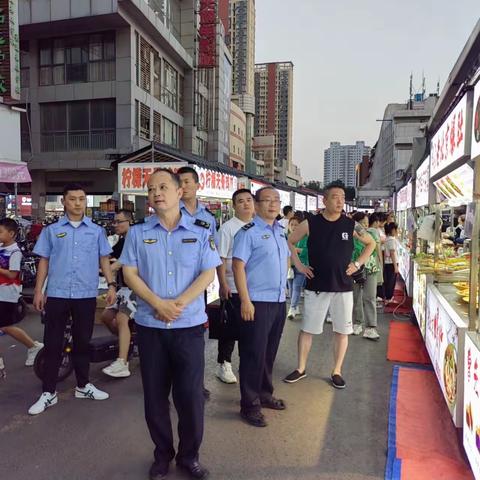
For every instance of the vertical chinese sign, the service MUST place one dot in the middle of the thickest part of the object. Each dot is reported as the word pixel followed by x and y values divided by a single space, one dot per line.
pixel 207 54
pixel 9 51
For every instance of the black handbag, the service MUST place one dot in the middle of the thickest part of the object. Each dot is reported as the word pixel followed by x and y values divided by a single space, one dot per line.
pixel 360 276
pixel 222 321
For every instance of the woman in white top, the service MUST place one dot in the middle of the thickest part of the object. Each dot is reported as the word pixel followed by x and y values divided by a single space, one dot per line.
pixel 391 261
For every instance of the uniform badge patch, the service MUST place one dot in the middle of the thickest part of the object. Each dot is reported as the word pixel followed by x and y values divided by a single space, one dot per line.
pixel 211 242
pixel 149 241
pixel 202 223
pixel 189 240
pixel 61 235
pixel 265 236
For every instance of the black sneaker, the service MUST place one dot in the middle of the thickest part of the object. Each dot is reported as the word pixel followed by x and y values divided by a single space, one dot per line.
pixel 338 381
pixel 254 418
pixel 295 376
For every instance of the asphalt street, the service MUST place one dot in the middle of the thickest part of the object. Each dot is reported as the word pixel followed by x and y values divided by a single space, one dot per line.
pixel 324 434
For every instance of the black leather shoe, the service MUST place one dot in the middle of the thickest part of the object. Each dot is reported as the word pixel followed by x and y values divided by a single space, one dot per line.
pixel 254 418
pixel 194 469
pixel 157 472
pixel 274 404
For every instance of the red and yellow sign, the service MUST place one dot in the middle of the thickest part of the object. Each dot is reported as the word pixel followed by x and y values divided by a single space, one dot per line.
pixel 207 54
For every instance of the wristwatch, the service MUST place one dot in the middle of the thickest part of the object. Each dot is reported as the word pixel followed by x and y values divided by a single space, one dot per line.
pixel 357 265
pixel 112 284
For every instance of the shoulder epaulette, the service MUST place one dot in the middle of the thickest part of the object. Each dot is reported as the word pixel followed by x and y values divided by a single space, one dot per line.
pixel 202 223
pixel 210 212
pixel 248 225
pixel 139 222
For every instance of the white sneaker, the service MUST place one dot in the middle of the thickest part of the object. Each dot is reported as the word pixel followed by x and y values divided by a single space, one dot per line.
pixel 328 319
pixel 90 391
pixel 225 373
pixel 45 401
pixel 117 369
pixel 291 313
pixel 32 353
pixel 357 329
pixel 297 310
pixel 371 333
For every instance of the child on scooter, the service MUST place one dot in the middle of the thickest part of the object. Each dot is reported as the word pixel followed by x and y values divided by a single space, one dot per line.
pixel 10 288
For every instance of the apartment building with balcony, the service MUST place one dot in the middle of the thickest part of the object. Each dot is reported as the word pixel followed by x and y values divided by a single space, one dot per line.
pixel 103 79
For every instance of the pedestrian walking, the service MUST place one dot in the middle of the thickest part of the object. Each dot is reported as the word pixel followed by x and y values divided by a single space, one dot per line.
pixel 329 284
pixel 11 287
pixel 244 209
pixel 117 317
pixel 71 249
pixel 168 262
pixel 365 292
pixel 288 213
pixel 296 281
pixel 260 256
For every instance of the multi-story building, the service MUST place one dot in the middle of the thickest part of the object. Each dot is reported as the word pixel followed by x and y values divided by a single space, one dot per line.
pixel 238 18
pixel 402 122
pixel 274 114
pixel 340 162
pixel 237 137
pixel 103 79
pixel 264 151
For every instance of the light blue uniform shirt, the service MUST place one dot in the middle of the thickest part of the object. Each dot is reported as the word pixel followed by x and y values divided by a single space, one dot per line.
pixel 169 262
pixel 202 214
pixel 264 250
pixel 73 255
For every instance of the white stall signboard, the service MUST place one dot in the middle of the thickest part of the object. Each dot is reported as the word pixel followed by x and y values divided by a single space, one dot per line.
pixel 422 184
pixel 420 297
pixel 320 202
pixel 448 144
pixel 255 186
pixel 215 184
pixel 476 123
pixel 471 414
pixel 311 203
pixel 404 265
pixel 284 198
pixel 133 177
pixel 443 346
pixel 300 202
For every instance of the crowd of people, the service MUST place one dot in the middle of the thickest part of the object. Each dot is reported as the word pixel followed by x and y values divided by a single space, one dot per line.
pixel 157 275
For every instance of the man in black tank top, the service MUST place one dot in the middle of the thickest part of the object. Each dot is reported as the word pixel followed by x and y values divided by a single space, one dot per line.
pixel 329 284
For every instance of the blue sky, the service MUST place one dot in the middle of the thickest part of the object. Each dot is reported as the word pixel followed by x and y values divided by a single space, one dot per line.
pixel 352 57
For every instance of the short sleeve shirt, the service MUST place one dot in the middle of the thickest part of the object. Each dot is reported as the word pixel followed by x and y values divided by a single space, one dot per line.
pixel 390 244
pixel 226 236
pixel 10 259
pixel 169 262
pixel 74 257
pixel 264 250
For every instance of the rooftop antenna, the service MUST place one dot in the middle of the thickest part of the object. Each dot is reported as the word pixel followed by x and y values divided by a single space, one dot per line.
pixel 423 85
pixel 438 88
pixel 411 91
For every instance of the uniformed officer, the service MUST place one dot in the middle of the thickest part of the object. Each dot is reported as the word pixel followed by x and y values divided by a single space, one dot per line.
pixel 260 255
pixel 71 250
pixel 189 205
pixel 169 261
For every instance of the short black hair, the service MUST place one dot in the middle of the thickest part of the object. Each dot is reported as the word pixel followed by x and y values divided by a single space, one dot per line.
pixel 128 214
pixel 10 225
pixel 335 184
pixel 287 209
pixel 239 192
pixel 174 176
pixel 374 217
pixel 390 227
pixel 258 193
pixel 359 216
pixel 73 186
pixel 189 170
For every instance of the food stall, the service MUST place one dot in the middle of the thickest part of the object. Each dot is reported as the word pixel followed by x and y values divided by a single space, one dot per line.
pixel 471 418
pixel 300 202
pixel 311 203
pixel 424 237
pixel 405 229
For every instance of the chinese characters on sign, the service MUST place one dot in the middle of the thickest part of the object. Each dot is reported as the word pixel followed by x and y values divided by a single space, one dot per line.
pixel 448 144
pixel 133 178
pixel 300 202
pixel 476 123
pixel 312 203
pixel 207 55
pixel 471 413
pixel 216 184
pixel 404 197
pixel 9 50
pixel 422 185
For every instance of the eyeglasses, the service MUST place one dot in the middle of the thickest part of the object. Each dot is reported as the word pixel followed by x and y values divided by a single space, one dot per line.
pixel 116 222
pixel 270 200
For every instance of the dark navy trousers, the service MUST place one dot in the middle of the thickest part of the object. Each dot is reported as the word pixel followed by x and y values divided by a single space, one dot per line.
pixel 258 346
pixel 172 360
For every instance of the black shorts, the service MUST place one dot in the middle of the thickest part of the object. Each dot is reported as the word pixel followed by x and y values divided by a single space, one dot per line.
pixel 8 314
